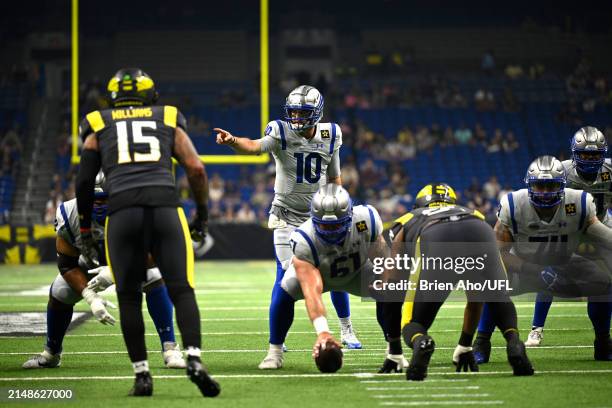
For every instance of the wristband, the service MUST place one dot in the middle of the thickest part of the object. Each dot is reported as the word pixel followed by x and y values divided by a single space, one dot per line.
pixel 320 325
pixel 88 295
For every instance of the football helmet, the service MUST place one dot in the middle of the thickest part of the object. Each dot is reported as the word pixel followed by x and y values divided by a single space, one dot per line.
pixel 303 108
pixel 589 147
pixel 546 180
pixel 435 195
pixel 131 87
pixel 100 207
pixel 331 211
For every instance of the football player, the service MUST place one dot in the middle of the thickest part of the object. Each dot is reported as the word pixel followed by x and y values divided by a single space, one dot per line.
pixel 306 153
pixel 438 228
pixel 539 229
pixel 591 171
pixel 134 143
pixel 333 250
pixel 71 285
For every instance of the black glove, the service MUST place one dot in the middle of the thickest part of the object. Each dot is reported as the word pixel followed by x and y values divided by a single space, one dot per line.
pixel 199 226
pixel 89 248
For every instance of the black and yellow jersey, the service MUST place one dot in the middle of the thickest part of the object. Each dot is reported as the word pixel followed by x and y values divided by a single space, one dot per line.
pixel 136 145
pixel 414 222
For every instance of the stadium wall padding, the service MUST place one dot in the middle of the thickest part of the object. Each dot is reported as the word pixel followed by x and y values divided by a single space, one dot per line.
pixel 36 243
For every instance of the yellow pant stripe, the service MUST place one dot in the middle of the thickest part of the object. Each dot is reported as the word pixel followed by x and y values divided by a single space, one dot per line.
pixel 95 121
pixel 188 245
pixel 170 113
pixel 407 309
pixel 108 260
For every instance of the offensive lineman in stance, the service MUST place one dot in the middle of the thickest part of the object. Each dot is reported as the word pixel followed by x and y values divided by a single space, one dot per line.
pixel 307 155
pixel 333 250
pixel 134 142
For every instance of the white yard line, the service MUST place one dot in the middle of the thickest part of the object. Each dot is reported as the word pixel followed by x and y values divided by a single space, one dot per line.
pixel 432 395
pixel 418 403
pixel 282 376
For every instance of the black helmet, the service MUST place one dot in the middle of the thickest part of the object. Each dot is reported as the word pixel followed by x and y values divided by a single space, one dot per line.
pixel 131 86
pixel 435 195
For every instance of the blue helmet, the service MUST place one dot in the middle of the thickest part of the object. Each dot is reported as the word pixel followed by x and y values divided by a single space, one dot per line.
pixel 303 107
pixel 100 207
pixel 546 179
pixel 332 212
pixel 589 148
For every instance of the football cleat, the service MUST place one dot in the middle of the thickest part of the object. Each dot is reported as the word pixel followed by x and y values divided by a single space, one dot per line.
pixel 482 350
pixel 394 363
pixel 348 337
pixel 272 361
pixel 199 376
pixel 143 385
pixel 422 349
pixel 44 360
pixel 535 337
pixel 517 357
pixel 603 350
pixel 173 357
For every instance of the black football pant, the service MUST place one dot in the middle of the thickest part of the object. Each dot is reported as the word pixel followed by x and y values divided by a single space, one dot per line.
pixel 457 239
pixel 132 233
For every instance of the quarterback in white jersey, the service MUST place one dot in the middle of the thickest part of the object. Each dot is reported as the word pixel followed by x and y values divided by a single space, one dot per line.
pixel 74 282
pixel 306 153
pixel 332 251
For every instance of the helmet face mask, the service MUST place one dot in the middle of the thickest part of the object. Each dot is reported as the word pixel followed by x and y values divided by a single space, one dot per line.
pixel 303 108
pixel 546 180
pixel 331 211
pixel 589 148
pixel 131 87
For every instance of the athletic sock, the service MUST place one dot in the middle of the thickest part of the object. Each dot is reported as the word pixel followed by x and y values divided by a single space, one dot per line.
pixel 161 311
pixel 486 324
pixel 58 321
pixel 341 304
pixel 140 366
pixel 280 315
pixel 541 308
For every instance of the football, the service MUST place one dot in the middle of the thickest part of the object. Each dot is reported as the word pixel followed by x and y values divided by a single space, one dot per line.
pixel 329 359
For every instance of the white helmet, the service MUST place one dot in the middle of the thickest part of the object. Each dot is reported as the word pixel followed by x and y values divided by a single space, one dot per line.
pixel 303 107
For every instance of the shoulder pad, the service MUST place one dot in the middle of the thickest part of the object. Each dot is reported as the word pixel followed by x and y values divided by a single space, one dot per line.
pixel 93 122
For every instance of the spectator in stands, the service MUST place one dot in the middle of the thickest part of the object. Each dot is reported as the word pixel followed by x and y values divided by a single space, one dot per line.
pixel 463 134
pixel 510 143
pixel 350 175
pixel 484 100
pixel 216 188
pixel 457 100
pixel 261 197
pixel 436 133
pixel 229 215
pixel 424 141
pixel 370 174
pixel 514 71
pixel 495 145
pixel 480 135
pixel 448 139
pixel 491 188
pixel 245 214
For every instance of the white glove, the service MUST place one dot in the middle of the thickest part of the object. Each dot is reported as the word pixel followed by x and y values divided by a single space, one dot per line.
pixel 98 306
pixel 459 350
pixel 102 280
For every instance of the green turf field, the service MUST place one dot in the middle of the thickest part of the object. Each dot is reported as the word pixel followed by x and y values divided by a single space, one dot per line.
pixel 233 299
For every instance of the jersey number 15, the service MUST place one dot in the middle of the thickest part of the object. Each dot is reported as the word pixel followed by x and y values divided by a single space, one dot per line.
pixel 123 144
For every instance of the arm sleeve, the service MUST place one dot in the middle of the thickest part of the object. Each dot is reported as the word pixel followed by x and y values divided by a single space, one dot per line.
pixel 84 129
pixel 181 121
pixel 85 183
pixel 271 138
pixel 333 170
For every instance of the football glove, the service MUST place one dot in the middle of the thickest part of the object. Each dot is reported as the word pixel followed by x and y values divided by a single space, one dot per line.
pixel 102 280
pixel 98 306
pixel 89 248
pixel 463 359
pixel 199 226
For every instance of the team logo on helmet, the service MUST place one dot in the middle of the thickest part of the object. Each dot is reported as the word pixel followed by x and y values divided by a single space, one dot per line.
pixel 435 195
pixel 131 87
pixel 332 213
